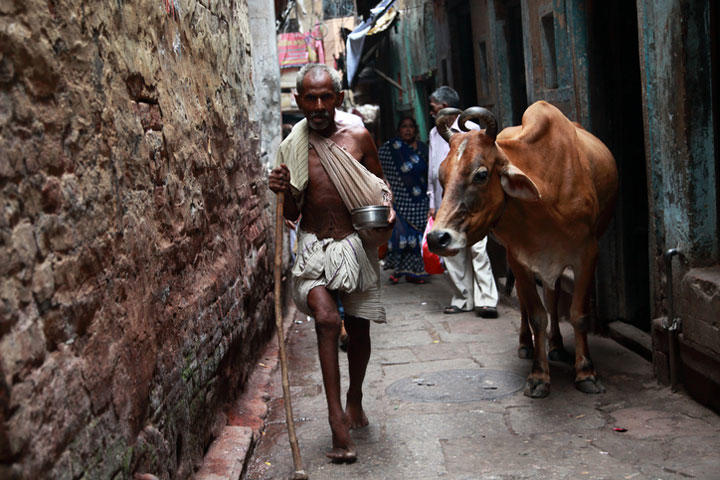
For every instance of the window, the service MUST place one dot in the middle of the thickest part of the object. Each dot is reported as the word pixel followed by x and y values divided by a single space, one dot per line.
pixel 338 9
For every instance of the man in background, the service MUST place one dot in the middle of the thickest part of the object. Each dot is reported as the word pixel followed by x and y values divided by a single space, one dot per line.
pixel 469 271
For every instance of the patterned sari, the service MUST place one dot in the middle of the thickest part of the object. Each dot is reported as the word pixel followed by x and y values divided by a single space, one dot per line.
pixel 406 170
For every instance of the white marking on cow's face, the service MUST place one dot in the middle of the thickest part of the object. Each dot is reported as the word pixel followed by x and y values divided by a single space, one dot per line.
pixel 461 149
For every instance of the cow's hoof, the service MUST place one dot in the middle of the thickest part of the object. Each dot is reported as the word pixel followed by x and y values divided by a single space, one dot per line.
pixel 525 352
pixel 590 385
pixel 536 388
pixel 559 355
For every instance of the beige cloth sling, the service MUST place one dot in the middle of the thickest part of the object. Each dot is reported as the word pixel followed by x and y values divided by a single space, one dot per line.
pixel 358 186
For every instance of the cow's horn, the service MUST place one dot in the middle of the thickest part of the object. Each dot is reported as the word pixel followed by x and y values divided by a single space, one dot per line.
pixel 443 120
pixel 485 118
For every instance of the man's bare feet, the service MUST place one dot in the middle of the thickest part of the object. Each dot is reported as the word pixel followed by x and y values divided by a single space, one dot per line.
pixel 355 414
pixel 338 455
pixel 343 450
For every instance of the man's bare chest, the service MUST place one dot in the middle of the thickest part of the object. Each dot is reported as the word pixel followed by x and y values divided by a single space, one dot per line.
pixel 350 145
pixel 318 178
pixel 324 212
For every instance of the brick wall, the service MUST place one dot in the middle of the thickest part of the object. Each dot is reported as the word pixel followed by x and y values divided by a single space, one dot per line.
pixel 135 278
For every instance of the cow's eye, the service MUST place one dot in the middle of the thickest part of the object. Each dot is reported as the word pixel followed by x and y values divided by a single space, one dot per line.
pixel 480 176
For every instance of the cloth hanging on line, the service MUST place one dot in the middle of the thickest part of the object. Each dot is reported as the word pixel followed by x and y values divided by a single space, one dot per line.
pixel 356 39
pixel 295 49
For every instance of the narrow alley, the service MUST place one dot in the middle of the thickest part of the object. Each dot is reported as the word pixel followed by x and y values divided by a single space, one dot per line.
pixel 164 163
pixel 444 398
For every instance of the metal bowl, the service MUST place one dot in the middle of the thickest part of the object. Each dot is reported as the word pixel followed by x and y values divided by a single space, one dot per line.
pixel 373 216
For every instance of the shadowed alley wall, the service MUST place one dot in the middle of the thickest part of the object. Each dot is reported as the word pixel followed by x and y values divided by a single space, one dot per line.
pixel 135 283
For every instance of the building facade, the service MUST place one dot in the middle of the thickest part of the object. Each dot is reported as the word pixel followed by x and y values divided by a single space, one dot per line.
pixel 651 97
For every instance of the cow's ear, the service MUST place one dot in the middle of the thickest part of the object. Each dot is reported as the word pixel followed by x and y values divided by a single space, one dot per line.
pixel 517 184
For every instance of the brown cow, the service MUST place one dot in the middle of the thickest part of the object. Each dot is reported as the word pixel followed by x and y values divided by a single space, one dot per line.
pixel 546 189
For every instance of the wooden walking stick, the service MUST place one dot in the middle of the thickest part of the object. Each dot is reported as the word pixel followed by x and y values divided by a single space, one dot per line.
pixel 297 461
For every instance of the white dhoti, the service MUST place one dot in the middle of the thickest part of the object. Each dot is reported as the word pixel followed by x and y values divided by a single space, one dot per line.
pixel 343 266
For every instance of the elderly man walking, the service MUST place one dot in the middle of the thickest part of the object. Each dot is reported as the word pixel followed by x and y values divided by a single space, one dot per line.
pixel 333 261
pixel 470 272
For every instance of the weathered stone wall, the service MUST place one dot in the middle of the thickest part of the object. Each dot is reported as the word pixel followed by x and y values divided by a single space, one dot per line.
pixel 135 283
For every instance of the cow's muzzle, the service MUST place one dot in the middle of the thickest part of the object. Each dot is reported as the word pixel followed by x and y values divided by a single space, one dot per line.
pixel 440 241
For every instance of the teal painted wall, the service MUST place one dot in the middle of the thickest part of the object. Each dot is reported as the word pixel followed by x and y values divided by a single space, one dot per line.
pixel 677 94
pixel 412 58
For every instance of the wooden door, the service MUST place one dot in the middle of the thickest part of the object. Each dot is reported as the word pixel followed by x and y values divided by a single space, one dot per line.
pixel 552 56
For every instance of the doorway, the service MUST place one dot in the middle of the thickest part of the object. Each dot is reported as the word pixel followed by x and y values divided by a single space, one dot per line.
pixel 462 52
pixel 616 118
pixel 516 60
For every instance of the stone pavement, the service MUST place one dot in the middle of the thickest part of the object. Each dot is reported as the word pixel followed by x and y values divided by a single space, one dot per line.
pixel 443 394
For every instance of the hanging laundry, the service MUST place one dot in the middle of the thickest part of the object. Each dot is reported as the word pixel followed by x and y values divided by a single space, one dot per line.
pixel 381 17
pixel 315 43
pixel 296 49
pixel 292 50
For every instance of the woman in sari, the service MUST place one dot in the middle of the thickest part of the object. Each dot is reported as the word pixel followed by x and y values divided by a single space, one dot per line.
pixel 404 162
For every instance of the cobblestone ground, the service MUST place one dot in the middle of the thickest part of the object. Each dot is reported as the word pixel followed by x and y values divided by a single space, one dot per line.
pixel 443 394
